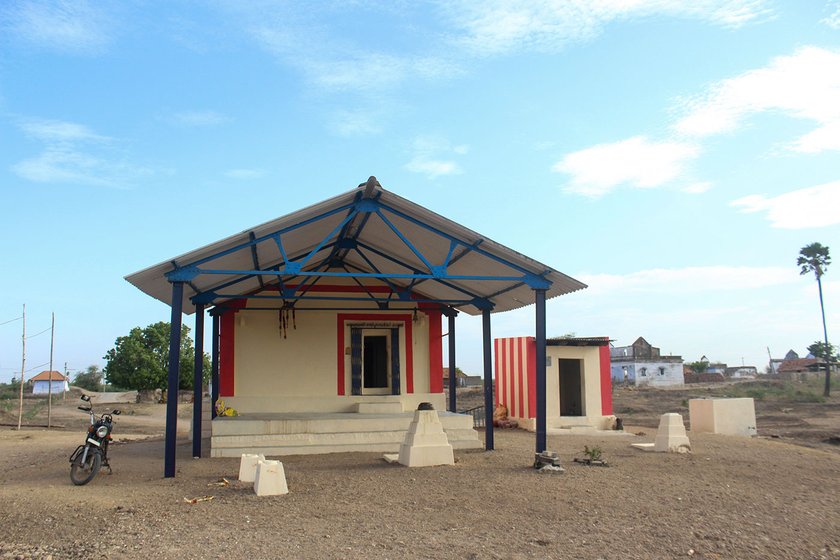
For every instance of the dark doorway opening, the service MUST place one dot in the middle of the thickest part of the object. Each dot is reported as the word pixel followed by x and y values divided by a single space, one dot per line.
pixel 571 387
pixel 375 362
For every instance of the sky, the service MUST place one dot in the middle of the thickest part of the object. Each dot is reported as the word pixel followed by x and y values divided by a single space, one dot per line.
pixel 674 156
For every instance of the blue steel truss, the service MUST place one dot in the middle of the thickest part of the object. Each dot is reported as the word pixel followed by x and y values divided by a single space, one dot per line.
pixel 342 240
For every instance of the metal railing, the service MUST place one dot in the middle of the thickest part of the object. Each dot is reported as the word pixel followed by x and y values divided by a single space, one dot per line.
pixel 477 412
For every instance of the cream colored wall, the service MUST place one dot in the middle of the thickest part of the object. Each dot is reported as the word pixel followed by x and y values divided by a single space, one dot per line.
pixel 591 382
pixel 303 364
pixel 299 373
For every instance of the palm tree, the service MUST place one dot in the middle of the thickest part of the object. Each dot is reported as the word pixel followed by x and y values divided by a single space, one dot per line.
pixel 814 258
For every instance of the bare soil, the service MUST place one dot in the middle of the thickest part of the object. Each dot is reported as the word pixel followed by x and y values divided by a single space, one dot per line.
pixel 731 498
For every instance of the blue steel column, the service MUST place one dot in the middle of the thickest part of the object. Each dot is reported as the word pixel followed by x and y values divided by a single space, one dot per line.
pixel 198 379
pixel 214 366
pixel 172 380
pixel 452 380
pixel 540 351
pixel 488 381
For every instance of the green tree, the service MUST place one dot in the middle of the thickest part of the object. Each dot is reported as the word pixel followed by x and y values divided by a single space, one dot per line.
pixel 90 379
pixel 820 349
pixel 814 258
pixel 698 367
pixel 140 360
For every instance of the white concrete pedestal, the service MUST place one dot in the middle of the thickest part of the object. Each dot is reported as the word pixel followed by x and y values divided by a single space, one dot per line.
pixel 425 443
pixel 270 479
pixel 248 466
pixel 670 436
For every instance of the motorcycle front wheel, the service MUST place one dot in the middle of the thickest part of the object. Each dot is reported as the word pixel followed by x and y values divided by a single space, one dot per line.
pixel 82 473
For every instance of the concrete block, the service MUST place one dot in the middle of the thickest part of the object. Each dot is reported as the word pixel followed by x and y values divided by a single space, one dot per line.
pixel 270 479
pixel 734 417
pixel 248 466
pixel 671 437
pixel 425 443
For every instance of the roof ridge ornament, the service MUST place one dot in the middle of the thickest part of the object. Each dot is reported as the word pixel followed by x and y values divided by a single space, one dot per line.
pixel 370 186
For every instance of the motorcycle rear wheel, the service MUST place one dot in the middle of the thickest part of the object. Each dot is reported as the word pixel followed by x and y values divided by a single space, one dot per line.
pixel 80 473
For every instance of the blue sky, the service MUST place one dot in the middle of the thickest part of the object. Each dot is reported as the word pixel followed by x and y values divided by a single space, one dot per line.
pixel 675 156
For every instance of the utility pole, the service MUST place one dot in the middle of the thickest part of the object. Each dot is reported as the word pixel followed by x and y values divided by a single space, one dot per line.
pixel 49 397
pixel 22 367
pixel 769 355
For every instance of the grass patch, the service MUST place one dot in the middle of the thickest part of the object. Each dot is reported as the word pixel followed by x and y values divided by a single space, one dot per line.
pixel 809 391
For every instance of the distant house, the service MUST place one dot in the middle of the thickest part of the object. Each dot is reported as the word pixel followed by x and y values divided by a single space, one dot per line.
pixel 643 364
pixel 800 368
pixel 714 367
pixel 460 378
pixel 41 383
pixel 742 372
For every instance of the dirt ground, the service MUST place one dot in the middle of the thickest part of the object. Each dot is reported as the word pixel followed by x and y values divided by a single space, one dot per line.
pixel 731 498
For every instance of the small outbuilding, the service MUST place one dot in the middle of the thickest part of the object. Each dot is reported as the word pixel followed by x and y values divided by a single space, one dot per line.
pixel 41 383
pixel 578 385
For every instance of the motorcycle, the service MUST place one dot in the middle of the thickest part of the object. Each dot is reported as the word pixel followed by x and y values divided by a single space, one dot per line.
pixel 86 461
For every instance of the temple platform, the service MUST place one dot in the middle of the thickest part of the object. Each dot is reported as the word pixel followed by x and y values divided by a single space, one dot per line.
pixel 301 433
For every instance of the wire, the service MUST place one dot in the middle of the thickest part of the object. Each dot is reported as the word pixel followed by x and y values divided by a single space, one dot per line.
pixel 12 320
pixel 36 367
pixel 39 333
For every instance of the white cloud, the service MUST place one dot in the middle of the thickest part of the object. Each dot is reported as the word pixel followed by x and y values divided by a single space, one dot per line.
pixel 698 188
pixel 355 123
pixel 245 174
pixel 341 68
pixel 66 25
pixel 73 153
pixel 200 118
pixel 826 137
pixel 498 26
pixel 689 280
pixel 833 20
pixel 811 207
pixel 432 168
pixel 60 131
pixel 803 85
pixel 637 162
pixel 431 157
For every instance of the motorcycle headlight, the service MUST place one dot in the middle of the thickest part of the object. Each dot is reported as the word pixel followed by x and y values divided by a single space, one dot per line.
pixel 102 431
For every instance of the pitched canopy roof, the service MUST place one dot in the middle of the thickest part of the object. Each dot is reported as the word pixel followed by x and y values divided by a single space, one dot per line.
pixel 368 234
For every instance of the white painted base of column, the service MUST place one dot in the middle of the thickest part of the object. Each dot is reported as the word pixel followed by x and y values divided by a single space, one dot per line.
pixel 248 466
pixel 270 479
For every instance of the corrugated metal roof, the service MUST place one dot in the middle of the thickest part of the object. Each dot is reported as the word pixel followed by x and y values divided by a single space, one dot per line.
pixel 301 232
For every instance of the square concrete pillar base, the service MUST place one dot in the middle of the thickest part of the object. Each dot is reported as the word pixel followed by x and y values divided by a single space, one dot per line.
pixel 270 479
pixel 248 466
pixel 426 444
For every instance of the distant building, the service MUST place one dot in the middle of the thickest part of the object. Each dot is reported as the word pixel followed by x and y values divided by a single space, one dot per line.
pixel 714 367
pixel 742 372
pixel 643 364
pixel 798 369
pixel 41 383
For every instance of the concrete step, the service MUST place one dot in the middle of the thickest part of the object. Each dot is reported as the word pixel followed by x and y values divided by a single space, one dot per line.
pixel 329 434
pixel 379 407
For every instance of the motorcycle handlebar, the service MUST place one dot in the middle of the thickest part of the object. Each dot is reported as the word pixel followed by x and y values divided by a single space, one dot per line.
pixel 86 409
